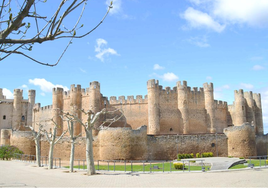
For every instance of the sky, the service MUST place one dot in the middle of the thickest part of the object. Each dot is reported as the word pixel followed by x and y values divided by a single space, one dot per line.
pixel 220 41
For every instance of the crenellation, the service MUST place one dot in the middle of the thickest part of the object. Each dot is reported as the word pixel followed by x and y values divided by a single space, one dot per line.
pixel 208 86
pixel 130 99
pixel 46 108
pixel 152 83
pixel 220 104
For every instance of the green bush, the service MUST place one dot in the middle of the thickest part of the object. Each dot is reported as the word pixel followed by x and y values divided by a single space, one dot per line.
pixel 197 155
pixel 178 166
pixel 241 158
pixel 192 155
pixel 7 152
pixel 179 157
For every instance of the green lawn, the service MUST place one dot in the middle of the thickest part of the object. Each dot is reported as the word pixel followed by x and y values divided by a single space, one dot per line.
pixel 256 163
pixel 146 167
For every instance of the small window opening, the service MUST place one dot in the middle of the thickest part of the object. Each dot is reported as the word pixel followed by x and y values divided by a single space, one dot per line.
pixel 22 118
pixel 213 145
pixel 4 117
pixel 242 107
pixel 170 129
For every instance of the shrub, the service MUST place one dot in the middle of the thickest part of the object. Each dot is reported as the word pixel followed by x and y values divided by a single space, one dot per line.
pixel 7 152
pixel 266 161
pixel 178 166
pixel 179 157
pixel 192 155
pixel 197 155
pixel 241 158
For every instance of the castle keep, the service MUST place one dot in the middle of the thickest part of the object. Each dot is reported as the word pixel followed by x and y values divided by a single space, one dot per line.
pixel 157 126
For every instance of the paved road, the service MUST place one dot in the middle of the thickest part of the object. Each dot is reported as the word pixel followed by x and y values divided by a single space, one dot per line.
pixel 20 174
pixel 217 163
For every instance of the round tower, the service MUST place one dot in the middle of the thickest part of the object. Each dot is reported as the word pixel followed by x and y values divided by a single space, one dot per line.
pixel 258 113
pixel 240 108
pixel 31 102
pixel 250 109
pixel 76 105
pixel 57 107
pixel 183 105
pixel 153 107
pixel 241 140
pixel 209 106
pixel 17 109
pixel 95 102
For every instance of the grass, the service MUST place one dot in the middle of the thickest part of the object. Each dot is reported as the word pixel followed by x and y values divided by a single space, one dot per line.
pixel 256 163
pixel 147 168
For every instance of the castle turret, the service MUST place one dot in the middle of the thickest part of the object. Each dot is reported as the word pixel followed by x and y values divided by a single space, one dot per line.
pixel 209 106
pixel 183 105
pixel 57 107
pixel 95 102
pixel 17 109
pixel 240 108
pixel 31 102
pixel 250 109
pixel 76 105
pixel 153 107
pixel 1 94
pixel 258 113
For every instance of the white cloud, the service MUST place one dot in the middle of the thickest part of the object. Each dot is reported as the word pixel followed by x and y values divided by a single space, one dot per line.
pixel 209 78
pixel 246 86
pixel 198 19
pixel 169 77
pixel 102 51
pixel 199 41
pixel 218 91
pixel 256 58
pixel 7 93
pixel 258 67
pixel 226 86
pixel 82 70
pixel 24 86
pixel 251 12
pixel 45 85
pixel 158 67
pixel 116 6
pixel 43 94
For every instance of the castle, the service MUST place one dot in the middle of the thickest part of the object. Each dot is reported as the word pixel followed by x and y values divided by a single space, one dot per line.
pixel 157 126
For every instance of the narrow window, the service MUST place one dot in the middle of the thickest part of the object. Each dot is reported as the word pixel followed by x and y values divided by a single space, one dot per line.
pixel 22 118
pixel 4 117
pixel 170 129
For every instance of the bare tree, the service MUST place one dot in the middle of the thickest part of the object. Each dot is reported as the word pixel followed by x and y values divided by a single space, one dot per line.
pixel 37 136
pixel 22 27
pixel 88 126
pixel 51 138
pixel 70 126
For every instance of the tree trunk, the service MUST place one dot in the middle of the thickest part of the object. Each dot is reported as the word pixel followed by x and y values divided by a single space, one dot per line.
pixel 37 151
pixel 89 152
pixel 72 156
pixel 50 157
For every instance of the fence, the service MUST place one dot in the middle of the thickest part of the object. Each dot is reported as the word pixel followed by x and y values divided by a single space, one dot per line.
pixel 139 166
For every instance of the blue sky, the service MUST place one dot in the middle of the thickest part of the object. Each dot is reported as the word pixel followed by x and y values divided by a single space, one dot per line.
pixel 219 41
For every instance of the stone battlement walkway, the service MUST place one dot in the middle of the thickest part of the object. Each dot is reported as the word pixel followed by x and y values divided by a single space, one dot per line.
pixel 20 174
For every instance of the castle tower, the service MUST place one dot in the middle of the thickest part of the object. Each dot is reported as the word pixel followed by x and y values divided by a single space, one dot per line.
pixel 250 109
pixel 57 107
pixel 183 105
pixel 17 109
pixel 76 105
pixel 240 108
pixel 1 94
pixel 209 106
pixel 31 102
pixel 258 113
pixel 153 107
pixel 95 102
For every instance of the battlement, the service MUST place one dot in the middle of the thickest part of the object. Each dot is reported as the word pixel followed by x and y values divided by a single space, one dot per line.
pixel 248 94
pixel 208 87
pixel 94 85
pixel 152 83
pixel 220 104
pixel 75 89
pixel 167 90
pixel 2 96
pixel 18 91
pixel 37 106
pixel 57 90
pixel 129 100
pixel 31 93
pixel 182 86
pixel 46 108
pixel 239 92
